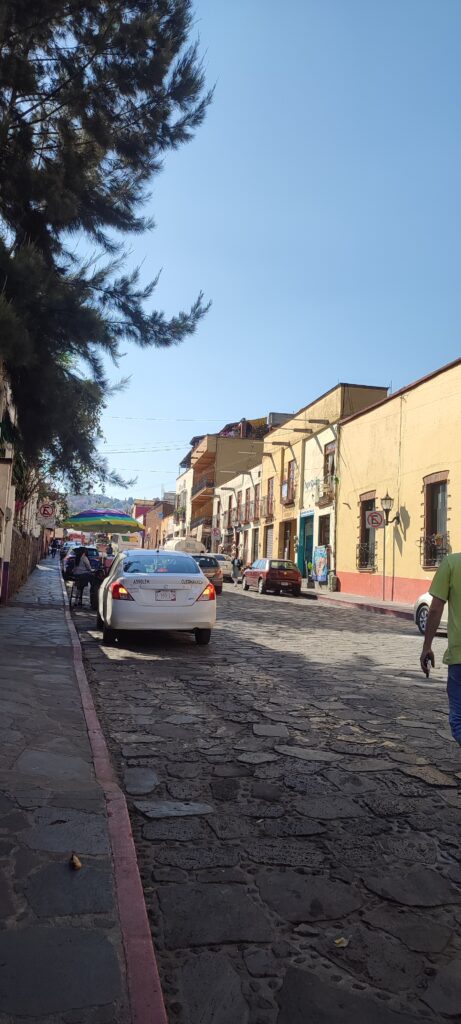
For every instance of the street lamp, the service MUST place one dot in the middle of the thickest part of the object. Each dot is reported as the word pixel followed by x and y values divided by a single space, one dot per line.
pixel 387 504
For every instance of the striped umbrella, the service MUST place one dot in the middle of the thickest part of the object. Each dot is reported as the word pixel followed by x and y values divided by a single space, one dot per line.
pixel 102 520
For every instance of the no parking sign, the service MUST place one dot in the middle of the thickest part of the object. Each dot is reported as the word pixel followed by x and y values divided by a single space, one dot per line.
pixel 46 514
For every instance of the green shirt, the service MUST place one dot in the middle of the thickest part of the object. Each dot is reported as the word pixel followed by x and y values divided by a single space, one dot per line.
pixel 447 586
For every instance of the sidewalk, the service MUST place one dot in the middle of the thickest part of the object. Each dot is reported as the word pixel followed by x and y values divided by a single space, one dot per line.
pixel 74 945
pixel 370 604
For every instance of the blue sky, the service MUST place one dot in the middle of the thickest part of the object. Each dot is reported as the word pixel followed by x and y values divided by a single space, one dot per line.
pixel 318 208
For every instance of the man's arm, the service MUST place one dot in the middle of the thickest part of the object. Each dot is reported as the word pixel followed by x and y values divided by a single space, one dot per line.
pixel 433 623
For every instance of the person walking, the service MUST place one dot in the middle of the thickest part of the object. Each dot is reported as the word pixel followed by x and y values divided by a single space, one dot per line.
pixel 82 573
pixel 446 586
pixel 236 567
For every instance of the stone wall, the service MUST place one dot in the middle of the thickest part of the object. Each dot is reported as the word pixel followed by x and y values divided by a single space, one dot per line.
pixel 25 553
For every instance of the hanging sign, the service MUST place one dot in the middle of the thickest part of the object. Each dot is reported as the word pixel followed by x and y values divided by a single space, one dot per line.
pixel 46 515
pixel 375 520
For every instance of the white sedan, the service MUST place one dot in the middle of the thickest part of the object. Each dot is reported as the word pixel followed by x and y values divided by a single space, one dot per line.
pixel 225 563
pixel 156 590
pixel 421 611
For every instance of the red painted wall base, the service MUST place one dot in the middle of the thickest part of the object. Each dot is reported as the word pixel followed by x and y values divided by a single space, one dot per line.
pixel 370 584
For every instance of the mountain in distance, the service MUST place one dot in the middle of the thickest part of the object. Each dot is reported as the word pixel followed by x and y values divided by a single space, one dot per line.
pixel 80 502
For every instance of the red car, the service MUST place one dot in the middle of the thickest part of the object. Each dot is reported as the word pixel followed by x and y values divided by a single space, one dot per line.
pixel 274 574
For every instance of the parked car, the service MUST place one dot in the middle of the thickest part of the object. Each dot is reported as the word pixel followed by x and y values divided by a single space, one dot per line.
pixel 212 570
pixel 274 574
pixel 421 611
pixel 225 563
pixel 156 590
pixel 68 562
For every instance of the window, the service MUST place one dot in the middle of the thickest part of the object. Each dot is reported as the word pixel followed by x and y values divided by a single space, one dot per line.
pixel 279 563
pixel 270 495
pixel 206 562
pixel 434 544
pixel 239 505
pixel 324 530
pixel 291 480
pixel 329 458
pixel 247 505
pixel 366 549
pixel 257 501
pixel 150 562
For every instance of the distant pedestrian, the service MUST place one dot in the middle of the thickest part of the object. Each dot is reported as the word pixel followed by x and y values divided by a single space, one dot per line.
pixel 446 586
pixel 109 549
pixel 82 572
pixel 54 547
pixel 236 569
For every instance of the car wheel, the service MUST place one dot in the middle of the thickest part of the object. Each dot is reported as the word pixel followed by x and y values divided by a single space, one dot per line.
pixel 108 635
pixel 296 591
pixel 261 587
pixel 245 584
pixel 202 636
pixel 421 617
pixel 99 622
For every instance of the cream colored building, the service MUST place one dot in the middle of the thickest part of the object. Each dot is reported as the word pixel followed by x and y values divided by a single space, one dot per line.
pixel 405 447
pixel 295 454
pixel 183 506
pixel 236 515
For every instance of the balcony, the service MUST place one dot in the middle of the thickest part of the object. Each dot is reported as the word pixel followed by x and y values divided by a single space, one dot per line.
pixel 288 492
pixel 433 549
pixel 256 510
pixel 325 491
pixel 204 521
pixel 179 515
pixel 227 520
pixel 246 514
pixel 203 484
pixel 366 557
pixel 267 507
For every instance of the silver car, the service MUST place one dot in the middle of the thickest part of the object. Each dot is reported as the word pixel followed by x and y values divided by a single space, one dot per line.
pixel 421 611
pixel 225 562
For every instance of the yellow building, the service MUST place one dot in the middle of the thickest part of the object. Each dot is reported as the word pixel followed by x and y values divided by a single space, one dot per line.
pixel 236 515
pixel 406 447
pixel 214 459
pixel 286 530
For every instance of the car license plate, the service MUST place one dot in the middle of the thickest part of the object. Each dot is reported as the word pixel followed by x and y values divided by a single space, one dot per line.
pixel 165 595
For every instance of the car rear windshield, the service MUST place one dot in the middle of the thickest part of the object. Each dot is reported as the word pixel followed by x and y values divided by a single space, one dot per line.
pixel 160 561
pixel 207 563
pixel 278 563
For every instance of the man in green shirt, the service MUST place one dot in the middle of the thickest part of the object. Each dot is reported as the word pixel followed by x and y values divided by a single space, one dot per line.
pixel 446 586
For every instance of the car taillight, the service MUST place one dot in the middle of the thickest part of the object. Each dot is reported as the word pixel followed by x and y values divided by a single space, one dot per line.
pixel 209 594
pixel 119 592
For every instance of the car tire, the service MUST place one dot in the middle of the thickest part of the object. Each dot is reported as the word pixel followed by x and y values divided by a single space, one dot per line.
pixel 261 587
pixel 421 617
pixel 99 622
pixel 245 584
pixel 296 591
pixel 202 637
pixel 108 635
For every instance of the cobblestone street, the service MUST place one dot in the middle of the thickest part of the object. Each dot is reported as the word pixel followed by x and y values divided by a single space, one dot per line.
pixel 294 793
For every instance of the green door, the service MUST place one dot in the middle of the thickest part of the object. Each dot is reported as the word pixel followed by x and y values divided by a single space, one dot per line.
pixel 306 542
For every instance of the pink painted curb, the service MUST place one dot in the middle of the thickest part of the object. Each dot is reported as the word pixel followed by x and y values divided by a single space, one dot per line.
pixel 144 989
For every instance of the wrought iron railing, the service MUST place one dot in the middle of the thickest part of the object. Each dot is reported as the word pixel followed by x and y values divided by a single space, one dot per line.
pixel 203 484
pixel 433 549
pixel 325 491
pixel 366 556
pixel 200 521
pixel 288 492
pixel 267 507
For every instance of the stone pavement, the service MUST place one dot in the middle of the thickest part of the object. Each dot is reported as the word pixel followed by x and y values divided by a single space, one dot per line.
pixel 61 959
pixel 295 800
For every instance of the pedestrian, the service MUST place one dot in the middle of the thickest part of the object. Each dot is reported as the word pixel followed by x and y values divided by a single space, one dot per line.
pixel 109 549
pixel 82 572
pixel 446 586
pixel 54 547
pixel 236 567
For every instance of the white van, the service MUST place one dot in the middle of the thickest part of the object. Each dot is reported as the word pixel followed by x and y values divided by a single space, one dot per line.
pixel 189 544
